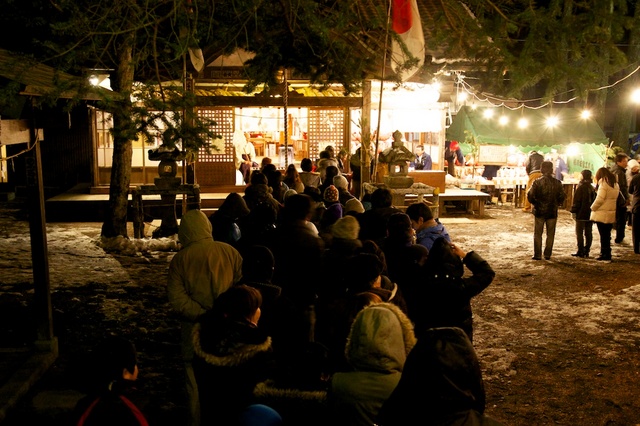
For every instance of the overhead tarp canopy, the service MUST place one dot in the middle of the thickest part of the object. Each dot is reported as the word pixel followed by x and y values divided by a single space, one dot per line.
pixel 580 141
pixel 570 127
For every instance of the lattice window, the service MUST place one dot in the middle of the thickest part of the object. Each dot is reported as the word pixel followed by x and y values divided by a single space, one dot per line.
pixel 326 127
pixel 217 168
pixel 223 117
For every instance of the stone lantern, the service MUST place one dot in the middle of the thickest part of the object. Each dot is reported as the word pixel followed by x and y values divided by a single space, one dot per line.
pixel 168 184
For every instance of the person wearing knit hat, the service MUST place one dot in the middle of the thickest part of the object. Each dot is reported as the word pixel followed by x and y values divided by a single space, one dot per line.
pixel 331 195
pixel 346 227
pixel 289 192
pixel 342 184
pixel 452 155
pixel 353 207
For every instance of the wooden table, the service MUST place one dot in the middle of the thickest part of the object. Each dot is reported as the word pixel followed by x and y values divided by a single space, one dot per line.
pixel 474 199
pixel 417 189
pixel 517 184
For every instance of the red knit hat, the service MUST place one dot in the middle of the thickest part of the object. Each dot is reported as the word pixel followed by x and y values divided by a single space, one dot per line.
pixel 454 146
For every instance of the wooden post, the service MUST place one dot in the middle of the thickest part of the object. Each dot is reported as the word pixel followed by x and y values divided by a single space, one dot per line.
pixel 45 340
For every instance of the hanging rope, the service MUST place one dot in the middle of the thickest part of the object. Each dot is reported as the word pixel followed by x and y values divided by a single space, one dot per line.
pixel 285 96
pixel 384 65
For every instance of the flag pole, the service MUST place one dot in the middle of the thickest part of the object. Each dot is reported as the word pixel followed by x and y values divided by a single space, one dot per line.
pixel 382 76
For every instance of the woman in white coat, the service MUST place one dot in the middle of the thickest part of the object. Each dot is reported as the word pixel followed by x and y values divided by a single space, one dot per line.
pixel 603 209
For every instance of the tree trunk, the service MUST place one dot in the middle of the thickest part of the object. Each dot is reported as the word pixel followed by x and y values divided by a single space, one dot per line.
pixel 115 223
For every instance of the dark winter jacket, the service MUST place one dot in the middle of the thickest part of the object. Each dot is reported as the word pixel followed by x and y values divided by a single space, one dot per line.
pixel 634 191
pixel 533 163
pixel 621 178
pixel 441 384
pixel 260 193
pixel 297 252
pixel 231 358
pixel 335 266
pixel 373 223
pixel 444 299
pixel 546 195
pixel 584 196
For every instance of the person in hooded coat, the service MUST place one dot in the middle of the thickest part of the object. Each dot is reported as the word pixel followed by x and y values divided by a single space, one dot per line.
pixel 441 384
pixel 380 340
pixel 201 271
pixel 232 355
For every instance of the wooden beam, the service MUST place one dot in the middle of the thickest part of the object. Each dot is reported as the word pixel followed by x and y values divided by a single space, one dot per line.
pixel 257 101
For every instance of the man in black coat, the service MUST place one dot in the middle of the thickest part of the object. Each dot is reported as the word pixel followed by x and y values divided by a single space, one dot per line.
pixel 620 171
pixel 546 195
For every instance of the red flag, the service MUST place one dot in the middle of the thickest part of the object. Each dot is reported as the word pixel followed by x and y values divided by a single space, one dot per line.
pixel 406 23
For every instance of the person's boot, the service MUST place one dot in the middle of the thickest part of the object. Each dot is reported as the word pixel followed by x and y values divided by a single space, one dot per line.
pixel 579 253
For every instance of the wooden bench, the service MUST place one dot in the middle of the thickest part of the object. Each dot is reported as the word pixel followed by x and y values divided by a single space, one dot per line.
pixel 475 200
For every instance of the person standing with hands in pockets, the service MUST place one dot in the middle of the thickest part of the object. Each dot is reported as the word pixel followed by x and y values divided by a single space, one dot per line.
pixel 545 196
pixel 581 212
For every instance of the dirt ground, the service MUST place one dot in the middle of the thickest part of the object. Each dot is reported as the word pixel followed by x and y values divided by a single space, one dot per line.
pixel 557 340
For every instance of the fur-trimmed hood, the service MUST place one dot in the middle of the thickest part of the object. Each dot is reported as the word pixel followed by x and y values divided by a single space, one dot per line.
pixel 381 337
pixel 231 350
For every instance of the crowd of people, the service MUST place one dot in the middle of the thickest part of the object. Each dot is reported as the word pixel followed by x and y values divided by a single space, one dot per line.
pixel 299 299
pixel 301 303
pixel 614 203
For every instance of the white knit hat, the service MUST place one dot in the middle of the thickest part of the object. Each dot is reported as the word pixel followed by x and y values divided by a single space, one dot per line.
pixel 346 227
pixel 353 205
pixel 340 181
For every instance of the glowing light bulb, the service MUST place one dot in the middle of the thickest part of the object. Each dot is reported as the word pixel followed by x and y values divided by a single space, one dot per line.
pixel 503 120
pixel 635 96
pixel 552 121
pixel 585 114
pixel 488 113
pixel 523 123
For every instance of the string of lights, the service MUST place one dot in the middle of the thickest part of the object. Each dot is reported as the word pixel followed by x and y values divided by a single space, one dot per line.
pixel 497 101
